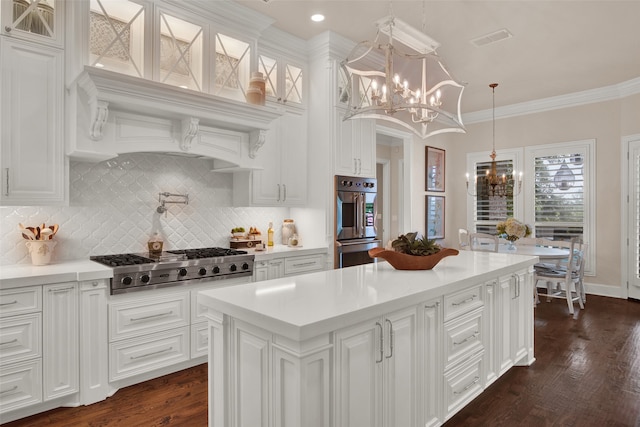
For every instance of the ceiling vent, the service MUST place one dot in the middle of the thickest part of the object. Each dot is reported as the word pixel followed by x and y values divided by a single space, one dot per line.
pixel 492 37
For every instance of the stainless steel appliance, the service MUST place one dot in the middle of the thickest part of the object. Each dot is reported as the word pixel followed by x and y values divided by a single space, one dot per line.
pixel 355 219
pixel 143 271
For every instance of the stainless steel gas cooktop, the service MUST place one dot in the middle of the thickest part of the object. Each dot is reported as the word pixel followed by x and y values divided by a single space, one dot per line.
pixel 143 271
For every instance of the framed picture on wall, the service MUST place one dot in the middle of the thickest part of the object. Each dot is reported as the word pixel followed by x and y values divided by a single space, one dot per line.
pixel 434 169
pixel 434 224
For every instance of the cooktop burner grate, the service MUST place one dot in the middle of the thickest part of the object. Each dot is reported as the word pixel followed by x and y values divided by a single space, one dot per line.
pixel 121 259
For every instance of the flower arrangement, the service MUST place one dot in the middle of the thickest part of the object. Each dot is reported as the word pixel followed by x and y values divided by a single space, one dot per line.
pixel 512 229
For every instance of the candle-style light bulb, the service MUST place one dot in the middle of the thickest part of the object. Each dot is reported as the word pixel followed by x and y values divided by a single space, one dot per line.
pixel 438 94
pixel 396 79
pixel 374 85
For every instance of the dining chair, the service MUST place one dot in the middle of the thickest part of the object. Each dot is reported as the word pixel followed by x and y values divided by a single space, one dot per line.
pixel 483 242
pixel 463 239
pixel 565 278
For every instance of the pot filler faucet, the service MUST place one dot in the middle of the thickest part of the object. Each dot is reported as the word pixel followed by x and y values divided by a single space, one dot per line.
pixel 165 198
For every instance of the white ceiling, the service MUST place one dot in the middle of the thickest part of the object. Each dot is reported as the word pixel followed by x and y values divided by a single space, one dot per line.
pixel 558 47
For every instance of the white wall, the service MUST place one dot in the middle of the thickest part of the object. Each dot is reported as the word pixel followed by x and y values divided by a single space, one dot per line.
pixel 606 122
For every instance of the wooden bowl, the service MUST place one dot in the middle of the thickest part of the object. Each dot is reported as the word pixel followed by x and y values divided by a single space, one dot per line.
pixel 401 261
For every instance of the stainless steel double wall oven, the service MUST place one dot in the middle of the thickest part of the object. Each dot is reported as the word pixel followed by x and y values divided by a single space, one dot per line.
pixel 355 218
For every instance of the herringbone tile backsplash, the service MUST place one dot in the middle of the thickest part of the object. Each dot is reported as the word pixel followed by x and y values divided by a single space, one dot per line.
pixel 112 209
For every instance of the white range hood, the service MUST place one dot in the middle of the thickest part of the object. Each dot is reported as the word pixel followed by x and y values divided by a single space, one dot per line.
pixel 112 113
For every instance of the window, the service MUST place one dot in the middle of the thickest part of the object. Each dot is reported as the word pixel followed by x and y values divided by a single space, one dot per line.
pixel 560 192
pixel 486 207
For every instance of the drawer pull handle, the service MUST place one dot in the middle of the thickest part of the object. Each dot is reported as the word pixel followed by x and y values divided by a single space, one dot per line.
pixel 9 342
pixel 304 264
pixel 9 303
pixel 475 335
pixel 61 289
pixel 153 316
pixel 464 301
pixel 15 387
pixel 437 304
pixel 153 353
pixel 474 382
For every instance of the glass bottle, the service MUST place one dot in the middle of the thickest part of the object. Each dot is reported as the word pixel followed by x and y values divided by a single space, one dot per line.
pixel 270 235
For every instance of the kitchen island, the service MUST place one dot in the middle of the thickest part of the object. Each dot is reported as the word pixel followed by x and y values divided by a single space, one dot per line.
pixel 367 345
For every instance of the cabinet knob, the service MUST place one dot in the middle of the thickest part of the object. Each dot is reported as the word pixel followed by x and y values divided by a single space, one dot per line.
pixel 7 28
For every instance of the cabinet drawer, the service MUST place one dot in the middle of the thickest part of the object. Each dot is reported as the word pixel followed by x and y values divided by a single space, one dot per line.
pixel 20 301
pixel 462 385
pixel 141 317
pixel 462 302
pixel 20 385
pixel 199 339
pixel 20 338
pixel 463 338
pixel 138 355
pixel 303 264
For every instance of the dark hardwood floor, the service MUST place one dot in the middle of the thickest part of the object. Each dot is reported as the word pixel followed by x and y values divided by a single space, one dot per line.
pixel 587 373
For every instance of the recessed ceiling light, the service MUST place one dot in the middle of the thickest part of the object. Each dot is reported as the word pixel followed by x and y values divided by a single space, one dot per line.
pixel 318 17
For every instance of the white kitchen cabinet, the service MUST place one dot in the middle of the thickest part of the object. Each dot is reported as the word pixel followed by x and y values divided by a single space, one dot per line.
pixel 21 351
pixel 288 266
pixel 60 339
pixel 432 362
pixel 39 21
pixel 376 372
pixel 511 316
pixel 355 146
pixel 148 332
pixel 269 269
pixel 94 349
pixel 464 348
pixel 281 179
pixel 284 78
pixel 34 168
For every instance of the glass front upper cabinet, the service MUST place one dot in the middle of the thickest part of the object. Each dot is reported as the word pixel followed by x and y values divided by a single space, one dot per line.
pixel 38 20
pixel 116 36
pixel 178 50
pixel 283 80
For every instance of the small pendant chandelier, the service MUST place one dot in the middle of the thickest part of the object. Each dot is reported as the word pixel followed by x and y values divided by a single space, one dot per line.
pixel 496 185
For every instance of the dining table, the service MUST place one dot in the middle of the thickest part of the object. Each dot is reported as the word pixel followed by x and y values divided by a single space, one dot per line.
pixel 544 253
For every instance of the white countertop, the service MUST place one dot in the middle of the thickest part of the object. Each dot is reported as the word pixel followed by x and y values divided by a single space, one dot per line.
pixel 302 307
pixel 14 276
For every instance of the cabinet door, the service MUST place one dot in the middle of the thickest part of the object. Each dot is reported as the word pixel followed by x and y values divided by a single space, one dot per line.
pixel 31 114
pixel 250 363
pixel 401 369
pixel 355 149
pixel 432 362
pixel 276 268
pixel 60 340
pixel 346 161
pixel 94 349
pixel 260 271
pixel 358 385
pixel 519 311
pixel 41 22
pixel 503 324
pixel 366 137
pixel 293 161
pixel 266 188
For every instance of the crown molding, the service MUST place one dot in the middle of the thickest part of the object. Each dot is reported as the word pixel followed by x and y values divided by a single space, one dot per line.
pixel 606 93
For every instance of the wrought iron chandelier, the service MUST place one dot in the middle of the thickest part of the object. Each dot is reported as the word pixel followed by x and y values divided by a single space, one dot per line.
pixel 496 185
pixel 411 88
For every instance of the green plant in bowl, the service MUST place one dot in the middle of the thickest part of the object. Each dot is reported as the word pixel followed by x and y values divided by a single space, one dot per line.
pixel 411 244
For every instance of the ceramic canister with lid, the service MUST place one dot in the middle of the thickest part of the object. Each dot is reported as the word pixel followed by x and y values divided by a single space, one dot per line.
pixel 257 85
pixel 288 230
